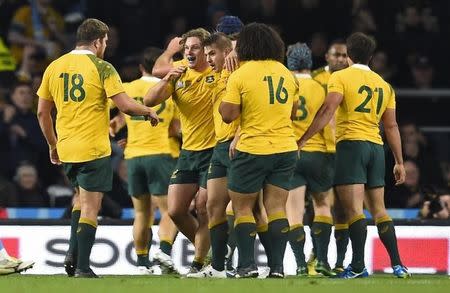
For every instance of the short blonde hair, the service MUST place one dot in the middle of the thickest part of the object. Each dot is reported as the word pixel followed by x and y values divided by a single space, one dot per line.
pixel 199 33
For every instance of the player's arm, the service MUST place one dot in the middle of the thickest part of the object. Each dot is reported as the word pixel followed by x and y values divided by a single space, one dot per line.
pixel 44 114
pixel 116 124
pixel 164 88
pixel 393 138
pixel 165 61
pixel 175 128
pixel 129 106
pixel 323 116
pixel 229 111
pixel 294 110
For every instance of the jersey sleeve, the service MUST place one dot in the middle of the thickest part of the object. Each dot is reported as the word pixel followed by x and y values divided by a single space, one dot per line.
pixel 233 91
pixel 391 102
pixel 111 81
pixel 335 84
pixel 44 89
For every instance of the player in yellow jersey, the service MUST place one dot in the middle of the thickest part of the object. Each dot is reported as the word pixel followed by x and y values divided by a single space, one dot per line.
pixel 79 84
pixel 149 166
pixel 191 89
pixel 217 46
pixel 336 58
pixel 264 94
pixel 363 99
pixel 315 168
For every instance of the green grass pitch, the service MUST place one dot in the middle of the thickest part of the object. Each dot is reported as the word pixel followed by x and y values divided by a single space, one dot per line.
pixel 125 284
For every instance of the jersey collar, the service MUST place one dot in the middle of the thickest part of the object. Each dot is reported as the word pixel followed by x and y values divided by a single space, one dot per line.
pixel 303 75
pixel 150 78
pixel 81 52
pixel 361 66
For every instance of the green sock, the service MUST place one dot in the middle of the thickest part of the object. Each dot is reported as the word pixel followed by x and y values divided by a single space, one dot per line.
pixel 278 231
pixel 341 236
pixel 86 238
pixel 297 241
pixel 166 247
pixel 245 238
pixel 231 234
pixel 142 260
pixel 321 228
pixel 386 231
pixel 73 247
pixel 197 264
pixel 150 239
pixel 358 234
pixel 219 235
pixel 263 234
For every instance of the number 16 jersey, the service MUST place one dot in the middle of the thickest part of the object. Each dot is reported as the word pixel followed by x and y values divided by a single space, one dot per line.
pixel 266 91
pixel 366 97
pixel 79 84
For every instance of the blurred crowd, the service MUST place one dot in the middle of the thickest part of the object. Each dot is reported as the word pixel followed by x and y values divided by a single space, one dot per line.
pixel 412 51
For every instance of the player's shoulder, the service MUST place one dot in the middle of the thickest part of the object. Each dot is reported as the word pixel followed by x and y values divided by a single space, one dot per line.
pixel 318 71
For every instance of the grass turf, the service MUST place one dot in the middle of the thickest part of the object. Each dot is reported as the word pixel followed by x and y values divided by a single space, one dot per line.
pixel 125 284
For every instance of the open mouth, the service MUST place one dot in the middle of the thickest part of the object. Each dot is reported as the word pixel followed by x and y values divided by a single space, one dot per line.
pixel 191 58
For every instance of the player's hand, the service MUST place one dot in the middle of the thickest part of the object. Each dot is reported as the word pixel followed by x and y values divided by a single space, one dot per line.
pixel 301 143
pixel 122 143
pixel 115 125
pixel 232 149
pixel 231 61
pixel 174 46
pixel 152 116
pixel 175 73
pixel 54 157
pixel 399 174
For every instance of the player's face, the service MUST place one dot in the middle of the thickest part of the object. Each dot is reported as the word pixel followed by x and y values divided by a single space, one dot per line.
pixel 337 57
pixel 215 57
pixel 101 46
pixel 194 52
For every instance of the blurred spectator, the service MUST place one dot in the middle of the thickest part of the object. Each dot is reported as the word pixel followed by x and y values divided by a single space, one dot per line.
pixel 8 196
pixel 408 195
pixel 26 137
pixel 363 21
pixel 417 148
pixel 40 26
pixel 437 205
pixel 422 73
pixel 318 49
pixel 61 192
pixel 6 115
pixel 380 64
pixel 28 191
pixel 7 68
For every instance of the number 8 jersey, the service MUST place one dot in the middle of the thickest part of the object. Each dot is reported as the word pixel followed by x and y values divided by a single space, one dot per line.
pixel 266 91
pixel 366 97
pixel 79 84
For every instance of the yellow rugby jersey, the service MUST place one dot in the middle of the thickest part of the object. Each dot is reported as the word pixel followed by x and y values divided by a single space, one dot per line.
pixel 311 97
pixel 366 97
pixel 266 91
pixel 322 75
pixel 192 93
pixel 79 84
pixel 223 130
pixel 144 139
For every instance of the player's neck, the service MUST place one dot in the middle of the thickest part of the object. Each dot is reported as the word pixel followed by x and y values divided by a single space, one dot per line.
pixel 88 48
pixel 201 67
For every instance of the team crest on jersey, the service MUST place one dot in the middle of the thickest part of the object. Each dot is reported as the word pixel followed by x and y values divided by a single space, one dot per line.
pixel 209 79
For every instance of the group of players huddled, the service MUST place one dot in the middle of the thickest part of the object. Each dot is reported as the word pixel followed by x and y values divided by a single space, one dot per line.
pixel 256 135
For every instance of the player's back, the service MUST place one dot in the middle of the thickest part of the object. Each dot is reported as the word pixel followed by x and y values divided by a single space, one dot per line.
pixel 144 139
pixel 267 91
pixel 79 83
pixel 311 97
pixel 366 97
pixel 322 75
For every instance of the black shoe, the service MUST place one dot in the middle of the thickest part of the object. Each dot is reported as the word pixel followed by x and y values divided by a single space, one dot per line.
pixel 247 272
pixel 70 264
pixel 276 273
pixel 85 274
pixel 324 269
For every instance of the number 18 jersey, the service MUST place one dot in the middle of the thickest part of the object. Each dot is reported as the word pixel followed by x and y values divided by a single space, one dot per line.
pixel 79 84
pixel 366 97
pixel 266 91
